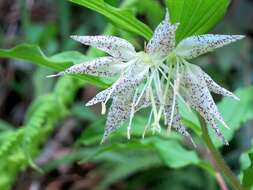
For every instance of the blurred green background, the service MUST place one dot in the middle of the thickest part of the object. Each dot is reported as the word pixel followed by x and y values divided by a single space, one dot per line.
pixel 68 151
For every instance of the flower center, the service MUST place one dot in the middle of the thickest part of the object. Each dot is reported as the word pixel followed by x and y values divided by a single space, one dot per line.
pixel 145 58
pixel 172 58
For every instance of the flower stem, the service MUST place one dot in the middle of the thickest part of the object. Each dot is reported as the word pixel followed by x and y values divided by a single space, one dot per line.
pixel 221 164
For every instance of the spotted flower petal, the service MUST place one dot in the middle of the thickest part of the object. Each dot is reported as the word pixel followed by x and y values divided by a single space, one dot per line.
pixel 201 100
pixel 127 82
pixel 211 122
pixel 197 45
pixel 206 80
pixel 163 40
pixel 201 95
pixel 104 67
pixel 100 97
pixel 118 113
pixel 116 47
pixel 206 114
pixel 215 88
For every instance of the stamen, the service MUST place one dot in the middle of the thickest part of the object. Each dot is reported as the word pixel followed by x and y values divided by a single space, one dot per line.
pixel 164 98
pixel 164 75
pixel 55 75
pixel 155 125
pixel 169 128
pixel 103 110
pixel 165 68
pixel 131 115
pixel 163 102
pixel 147 125
pixel 175 92
pixel 158 85
pixel 143 90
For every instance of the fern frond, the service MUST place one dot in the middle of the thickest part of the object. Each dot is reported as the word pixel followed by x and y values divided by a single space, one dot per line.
pixel 23 144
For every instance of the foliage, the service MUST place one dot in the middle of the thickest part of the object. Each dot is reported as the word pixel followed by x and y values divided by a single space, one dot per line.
pixel 15 156
pixel 120 17
pixel 196 16
pixel 58 62
pixel 247 169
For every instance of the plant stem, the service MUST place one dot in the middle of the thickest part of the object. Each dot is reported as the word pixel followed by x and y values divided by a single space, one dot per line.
pixel 221 164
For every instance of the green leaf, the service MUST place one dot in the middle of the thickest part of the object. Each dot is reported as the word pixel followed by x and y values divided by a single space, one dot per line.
pixel 83 112
pixel 173 154
pixel 247 159
pixel 169 150
pixel 151 8
pixel 196 16
pixel 70 56
pixel 33 53
pixel 144 154
pixel 122 18
pixel 129 163
pixel 41 84
pixel 59 62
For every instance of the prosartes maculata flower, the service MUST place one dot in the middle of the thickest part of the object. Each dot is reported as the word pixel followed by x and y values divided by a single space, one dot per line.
pixel 156 77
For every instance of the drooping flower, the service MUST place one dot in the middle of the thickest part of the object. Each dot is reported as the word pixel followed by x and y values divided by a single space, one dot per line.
pixel 140 82
pixel 154 78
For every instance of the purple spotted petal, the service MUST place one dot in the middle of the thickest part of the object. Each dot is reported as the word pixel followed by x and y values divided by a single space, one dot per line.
pixel 200 98
pixel 127 82
pixel 215 88
pixel 163 40
pixel 211 122
pixel 206 80
pixel 116 47
pixel 197 45
pixel 100 97
pixel 118 113
pixel 103 67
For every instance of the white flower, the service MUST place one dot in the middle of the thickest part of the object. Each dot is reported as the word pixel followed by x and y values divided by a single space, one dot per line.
pixel 140 83
pixel 154 77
